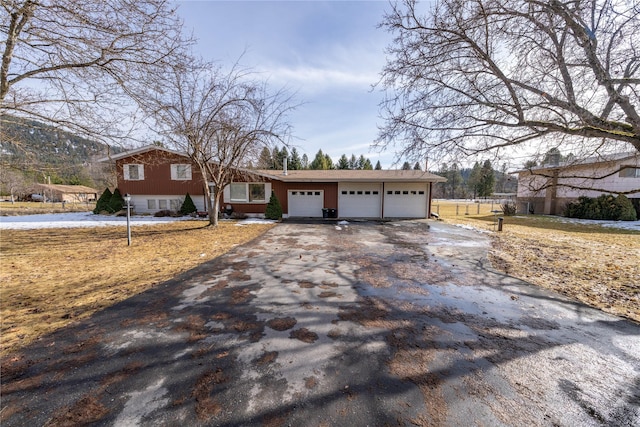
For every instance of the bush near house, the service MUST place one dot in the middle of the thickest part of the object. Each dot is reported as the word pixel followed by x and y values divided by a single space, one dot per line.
pixel 509 209
pixel 116 202
pixel 188 207
pixel 102 204
pixel 274 209
pixel 604 207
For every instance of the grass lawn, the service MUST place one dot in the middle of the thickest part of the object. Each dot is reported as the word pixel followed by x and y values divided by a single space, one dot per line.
pixel 52 277
pixel 596 265
pixel 29 208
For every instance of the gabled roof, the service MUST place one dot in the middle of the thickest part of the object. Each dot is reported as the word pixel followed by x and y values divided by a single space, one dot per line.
pixel 603 158
pixel 68 189
pixel 347 175
pixel 140 150
pixel 331 175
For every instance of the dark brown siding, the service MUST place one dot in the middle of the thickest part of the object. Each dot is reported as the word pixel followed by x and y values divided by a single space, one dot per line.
pixel 157 175
pixel 330 192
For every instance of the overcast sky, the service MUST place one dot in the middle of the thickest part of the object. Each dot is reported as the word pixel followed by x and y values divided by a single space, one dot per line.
pixel 329 52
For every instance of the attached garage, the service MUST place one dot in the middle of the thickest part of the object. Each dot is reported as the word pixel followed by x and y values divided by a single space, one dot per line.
pixel 359 200
pixel 406 200
pixel 305 203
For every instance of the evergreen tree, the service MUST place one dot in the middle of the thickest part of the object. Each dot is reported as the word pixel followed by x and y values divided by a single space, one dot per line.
pixel 406 166
pixel 487 180
pixel 367 165
pixel 295 163
pixel 273 209
pixel 417 167
pixel 103 202
pixel 277 159
pixel 188 207
pixel 474 181
pixel 361 162
pixel 328 161
pixel 353 162
pixel 265 161
pixel 378 166
pixel 305 161
pixel 116 202
pixel 343 162
pixel 284 154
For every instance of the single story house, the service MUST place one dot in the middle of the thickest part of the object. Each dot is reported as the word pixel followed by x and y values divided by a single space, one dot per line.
pixel 547 189
pixel 158 178
pixel 67 193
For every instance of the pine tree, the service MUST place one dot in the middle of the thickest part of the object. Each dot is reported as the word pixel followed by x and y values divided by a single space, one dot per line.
pixel 274 209
pixel 296 162
pixel 265 161
pixel 188 206
pixel 367 165
pixel 417 167
pixel 116 202
pixel 378 166
pixel 353 162
pixel 305 161
pixel 343 162
pixel 406 166
pixel 487 180
pixel 103 202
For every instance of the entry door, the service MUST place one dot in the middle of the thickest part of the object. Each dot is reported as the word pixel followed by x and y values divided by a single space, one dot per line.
pixel 305 203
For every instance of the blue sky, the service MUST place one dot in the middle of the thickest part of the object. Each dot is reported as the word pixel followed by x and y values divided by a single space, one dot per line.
pixel 329 52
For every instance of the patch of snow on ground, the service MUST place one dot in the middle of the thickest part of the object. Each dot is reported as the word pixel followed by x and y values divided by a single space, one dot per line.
pixel 343 223
pixel 88 219
pixel 624 225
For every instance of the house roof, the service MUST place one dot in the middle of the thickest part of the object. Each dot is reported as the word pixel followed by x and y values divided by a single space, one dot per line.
pixel 331 175
pixel 602 158
pixel 69 189
pixel 347 175
pixel 139 150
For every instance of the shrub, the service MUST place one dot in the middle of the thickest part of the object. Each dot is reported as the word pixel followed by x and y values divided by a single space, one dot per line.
pixel 605 207
pixel 274 209
pixel 164 212
pixel 188 207
pixel 116 202
pixel 509 209
pixel 103 202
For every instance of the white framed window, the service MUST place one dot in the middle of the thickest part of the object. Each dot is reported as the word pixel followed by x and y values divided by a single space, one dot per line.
pixel 133 172
pixel 151 204
pixel 630 172
pixel 175 204
pixel 162 204
pixel 247 192
pixel 181 172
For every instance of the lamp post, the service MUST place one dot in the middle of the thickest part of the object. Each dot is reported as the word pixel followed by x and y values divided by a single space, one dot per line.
pixel 127 198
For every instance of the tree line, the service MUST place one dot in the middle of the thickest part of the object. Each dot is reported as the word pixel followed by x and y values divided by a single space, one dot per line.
pixel 480 181
pixel 274 159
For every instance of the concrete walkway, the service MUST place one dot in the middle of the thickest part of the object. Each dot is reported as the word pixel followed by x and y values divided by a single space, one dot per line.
pixel 320 324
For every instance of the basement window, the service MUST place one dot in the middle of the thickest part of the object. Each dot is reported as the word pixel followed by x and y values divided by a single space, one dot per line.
pixel 630 172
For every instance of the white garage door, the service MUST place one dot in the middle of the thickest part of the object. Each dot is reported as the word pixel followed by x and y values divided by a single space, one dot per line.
pixel 408 200
pixel 305 203
pixel 359 200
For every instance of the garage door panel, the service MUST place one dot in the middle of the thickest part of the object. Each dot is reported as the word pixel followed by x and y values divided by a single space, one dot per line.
pixel 406 200
pixel 305 203
pixel 359 200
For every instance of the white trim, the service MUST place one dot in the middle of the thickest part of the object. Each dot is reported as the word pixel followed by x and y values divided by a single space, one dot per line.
pixel 187 172
pixel 126 172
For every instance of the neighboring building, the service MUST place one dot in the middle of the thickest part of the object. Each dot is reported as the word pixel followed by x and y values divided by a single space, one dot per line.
pixel 67 193
pixel 158 178
pixel 547 189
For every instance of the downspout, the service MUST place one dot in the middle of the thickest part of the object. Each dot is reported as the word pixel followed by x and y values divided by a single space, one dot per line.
pixel 382 199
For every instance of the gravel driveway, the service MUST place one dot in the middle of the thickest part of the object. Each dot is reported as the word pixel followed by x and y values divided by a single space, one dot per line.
pixel 400 323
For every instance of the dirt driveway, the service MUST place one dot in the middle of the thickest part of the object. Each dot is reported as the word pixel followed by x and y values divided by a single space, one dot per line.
pixel 364 324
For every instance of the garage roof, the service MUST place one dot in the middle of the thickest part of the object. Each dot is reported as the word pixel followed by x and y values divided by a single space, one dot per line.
pixel 347 175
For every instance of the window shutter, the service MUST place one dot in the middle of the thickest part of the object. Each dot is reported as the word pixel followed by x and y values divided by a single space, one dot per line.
pixel 267 191
pixel 188 172
pixel 141 172
pixel 125 169
pixel 226 194
pixel 174 172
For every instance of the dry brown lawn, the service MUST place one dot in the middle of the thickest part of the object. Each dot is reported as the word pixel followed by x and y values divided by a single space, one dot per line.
pixel 52 277
pixel 595 265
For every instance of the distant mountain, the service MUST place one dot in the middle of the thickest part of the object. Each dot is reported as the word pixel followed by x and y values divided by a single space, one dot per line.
pixel 27 141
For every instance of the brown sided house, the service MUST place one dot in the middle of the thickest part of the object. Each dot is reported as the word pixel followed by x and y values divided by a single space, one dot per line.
pixel 67 193
pixel 158 178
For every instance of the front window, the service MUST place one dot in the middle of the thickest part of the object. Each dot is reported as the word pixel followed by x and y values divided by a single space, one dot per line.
pixel 151 204
pixel 248 192
pixel 133 172
pixel 256 193
pixel 630 172
pixel 181 172
pixel 239 192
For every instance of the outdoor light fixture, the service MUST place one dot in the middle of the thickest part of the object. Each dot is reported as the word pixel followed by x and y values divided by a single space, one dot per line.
pixel 127 199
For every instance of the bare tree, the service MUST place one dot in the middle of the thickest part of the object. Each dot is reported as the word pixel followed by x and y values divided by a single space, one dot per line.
pixel 75 63
pixel 220 119
pixel 471 76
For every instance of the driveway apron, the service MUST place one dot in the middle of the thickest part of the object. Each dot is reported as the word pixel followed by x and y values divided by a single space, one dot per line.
pixel 323 324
